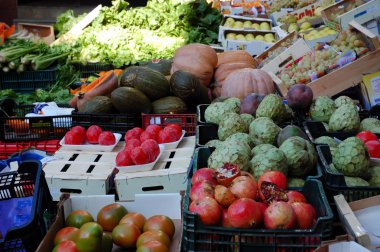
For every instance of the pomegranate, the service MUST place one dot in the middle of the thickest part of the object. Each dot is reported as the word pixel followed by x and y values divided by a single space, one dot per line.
pixel 275 177
pixel 279 215
pixel 224 196
pixel 201 190
pixel 263 206
pixel 294 196
pixel 244 213
pixel 227 173
pixel 203 174
pixel 225 221
pixel 304 214
pixel 244 187
pixel 270 192
pixel 208 209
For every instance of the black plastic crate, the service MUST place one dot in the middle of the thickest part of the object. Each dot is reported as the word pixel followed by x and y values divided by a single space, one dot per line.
pixel 201 108
pixel 28 81
pixel 335 183
pixel 205 133
pixel 117 123
pixel 92 68
pixel 14 126
pixel 202 154
pixel 198 237
pixel 28 181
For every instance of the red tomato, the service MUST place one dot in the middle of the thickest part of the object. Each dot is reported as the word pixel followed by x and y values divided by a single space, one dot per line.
pixel 176 127
pixel 79 129
pixel 373 147
pixel 66 246
pixel 92 134
pixel 172 131
pixel 139 156
pixel 66 234
pixel 153 129
pixel 151 147
pixel 73 138
pixel 366 136
pixel 165 136
pixel 107 138
pixel 123 158
pixel 133 142
pixel 147 135
pixel 133 133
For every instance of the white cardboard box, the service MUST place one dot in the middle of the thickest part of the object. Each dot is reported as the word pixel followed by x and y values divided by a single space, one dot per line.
pixel 168 204
pixel 361 220
pixel 300 13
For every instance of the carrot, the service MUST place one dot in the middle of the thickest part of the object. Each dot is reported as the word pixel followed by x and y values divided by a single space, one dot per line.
pixel 96 82
pixel 118 71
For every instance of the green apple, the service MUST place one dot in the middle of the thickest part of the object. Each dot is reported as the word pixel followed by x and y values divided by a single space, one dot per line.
pixel 269 37
pixel 231 36
pixel 265 26
pixel 249 37
pixel 238 25
pixel 229 22
pixel 305 25
pixel 255 26
pixel 331 32
pixel 240 37
pixel 260 37
pixel 292 27
pixel 247 24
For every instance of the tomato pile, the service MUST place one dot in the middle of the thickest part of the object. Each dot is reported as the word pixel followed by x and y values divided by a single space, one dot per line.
pixel 114 226
pixel 78 135
pixel 231 198
pixel 142 146
pixel 372 143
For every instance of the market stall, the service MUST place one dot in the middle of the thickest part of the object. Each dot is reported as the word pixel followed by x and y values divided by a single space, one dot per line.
pixel 192 126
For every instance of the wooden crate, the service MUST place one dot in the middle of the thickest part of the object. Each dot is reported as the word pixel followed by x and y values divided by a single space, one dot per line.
pixel 80 173
pixel 346 76
pixel 168 175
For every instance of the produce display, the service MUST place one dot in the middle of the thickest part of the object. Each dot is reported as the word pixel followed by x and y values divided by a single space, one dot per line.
pixel 343 8
pixel 246 24
pixel 121 36
pixel 322 61
pixel 229 197
pixel 246 36
pixel 318 33
pixel 114 226
pixel 78 135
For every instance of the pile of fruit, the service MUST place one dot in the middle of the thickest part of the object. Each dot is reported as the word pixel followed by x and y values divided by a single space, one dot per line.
pixel 246 24
pixel 318 33
pixel 232 198
pixel 322 60
pixel 343 8
pixel 267 37
pixel 114 225
pixel 78 135
pixel 142 146
pixel 277 5
pixel 251 143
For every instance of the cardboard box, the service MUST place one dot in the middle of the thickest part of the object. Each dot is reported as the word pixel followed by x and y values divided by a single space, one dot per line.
pixel 371 89
pixel 343 244
pixel 222 28
pixel 45 32
pixel 325 39
pixel 300 13
pixel 361 220
pixel 373 26
pixel 252 47
pixel 362 14
pixel 169 174
pixel 166 204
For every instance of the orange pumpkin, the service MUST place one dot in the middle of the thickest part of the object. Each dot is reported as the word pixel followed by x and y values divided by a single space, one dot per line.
pixel 198 59
pixel 234 57
pixel 223 71
pixel 242 82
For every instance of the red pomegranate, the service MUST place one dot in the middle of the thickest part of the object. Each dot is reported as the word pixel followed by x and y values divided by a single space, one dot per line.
pixel 270 192
pixel 275 177
pixel 304 214
pixel 263 206
pixel 203 174
pixel 279 215
pixel 244 213
pixel 201 190
pixel 224 196
pixel 225 221
pixel 294 196
pixel 208 209
pixel 244 187
pixel 227 173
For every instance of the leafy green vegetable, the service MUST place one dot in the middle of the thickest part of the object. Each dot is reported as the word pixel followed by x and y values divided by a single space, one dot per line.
pixel 66 21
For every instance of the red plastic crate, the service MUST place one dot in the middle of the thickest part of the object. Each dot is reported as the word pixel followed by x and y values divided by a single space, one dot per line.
pixel 8 148
pixel 186 121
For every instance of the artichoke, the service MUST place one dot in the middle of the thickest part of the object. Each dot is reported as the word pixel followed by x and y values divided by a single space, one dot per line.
pixel 233 152
pixel 272 160
pixel 300 155
pixel 321 109
pixel 247 118
pixel 369 124
pixel 326 140
pixel 295 182
pixel 215 112
pixel 243 137
pixel 231 124
pixel 342 100
pixel 261 148
pixel 263 130
pixel 351 158
pixel 355 181
pixel 375 176
pixel 345 118
pixel 233 103
pixel 214 143
pixel 272 106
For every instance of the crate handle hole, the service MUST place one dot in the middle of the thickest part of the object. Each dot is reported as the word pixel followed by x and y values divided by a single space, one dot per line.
pixel 65 167
pixel 70 190
pixel 98 157
pixel 152 188
pixel 172 154
pixel 90 168
pixel 73 157
pixel 167 165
